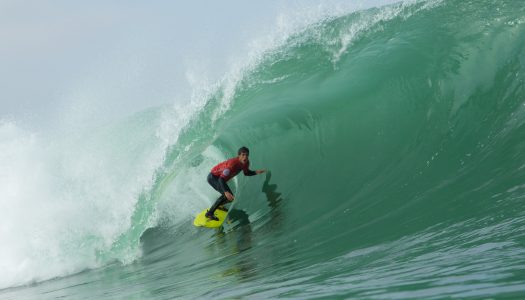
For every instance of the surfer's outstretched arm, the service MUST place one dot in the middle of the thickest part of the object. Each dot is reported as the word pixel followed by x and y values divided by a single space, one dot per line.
pixel 248 172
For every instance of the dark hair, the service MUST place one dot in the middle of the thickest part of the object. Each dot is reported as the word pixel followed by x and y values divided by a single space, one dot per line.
pixel 243 150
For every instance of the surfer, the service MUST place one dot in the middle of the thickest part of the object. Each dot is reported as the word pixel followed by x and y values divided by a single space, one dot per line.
pixel 226 170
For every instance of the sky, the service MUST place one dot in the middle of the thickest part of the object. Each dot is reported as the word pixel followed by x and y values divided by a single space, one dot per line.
pixel 111 58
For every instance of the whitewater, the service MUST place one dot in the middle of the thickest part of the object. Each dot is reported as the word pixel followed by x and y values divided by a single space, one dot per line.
pixel 393 137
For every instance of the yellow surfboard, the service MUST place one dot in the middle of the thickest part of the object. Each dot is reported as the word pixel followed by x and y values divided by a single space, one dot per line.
pixel 202 221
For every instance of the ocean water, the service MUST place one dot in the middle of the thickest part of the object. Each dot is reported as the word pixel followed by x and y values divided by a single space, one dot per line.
pixel 394 141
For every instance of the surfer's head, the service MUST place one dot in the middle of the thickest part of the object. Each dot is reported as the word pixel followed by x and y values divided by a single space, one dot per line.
pixel 243 154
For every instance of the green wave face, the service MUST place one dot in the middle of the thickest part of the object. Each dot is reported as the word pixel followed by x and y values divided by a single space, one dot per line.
pixel 394 138
pixel 387 122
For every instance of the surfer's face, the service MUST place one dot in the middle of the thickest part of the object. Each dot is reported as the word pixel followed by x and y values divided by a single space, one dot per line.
pixel 243 157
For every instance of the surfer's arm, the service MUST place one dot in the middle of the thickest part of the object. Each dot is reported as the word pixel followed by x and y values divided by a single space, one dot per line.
pixel 249 172
pixel 246 170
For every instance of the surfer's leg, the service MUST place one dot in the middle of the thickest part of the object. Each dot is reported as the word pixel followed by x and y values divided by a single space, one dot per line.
pixel 221 207
pixel 220 201
pixel 214 182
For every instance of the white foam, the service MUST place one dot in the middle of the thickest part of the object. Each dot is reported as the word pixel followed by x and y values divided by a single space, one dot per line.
pixel 63 201
pixel 189 192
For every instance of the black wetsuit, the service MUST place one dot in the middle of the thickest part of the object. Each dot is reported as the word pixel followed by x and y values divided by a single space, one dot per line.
pixel 220 185
pixel 223 172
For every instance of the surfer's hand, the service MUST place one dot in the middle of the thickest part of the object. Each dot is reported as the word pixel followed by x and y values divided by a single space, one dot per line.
pixel 260 171
pixel 229 196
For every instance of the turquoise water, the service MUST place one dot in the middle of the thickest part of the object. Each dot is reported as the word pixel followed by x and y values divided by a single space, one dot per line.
pixel 394 142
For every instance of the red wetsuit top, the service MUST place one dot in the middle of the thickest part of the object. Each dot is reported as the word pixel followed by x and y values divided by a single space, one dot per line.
pixel 230 168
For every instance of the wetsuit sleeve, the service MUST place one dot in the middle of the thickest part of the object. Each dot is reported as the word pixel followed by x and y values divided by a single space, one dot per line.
pixel 248 172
